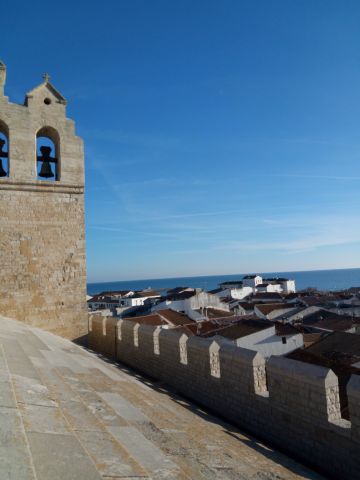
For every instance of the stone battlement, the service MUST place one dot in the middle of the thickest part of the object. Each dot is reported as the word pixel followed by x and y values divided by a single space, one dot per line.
pixel 293 405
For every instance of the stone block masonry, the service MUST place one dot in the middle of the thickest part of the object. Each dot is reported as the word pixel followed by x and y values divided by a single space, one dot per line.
pixel 292 405
pixel 42 239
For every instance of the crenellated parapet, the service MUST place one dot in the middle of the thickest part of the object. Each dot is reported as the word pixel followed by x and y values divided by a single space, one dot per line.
pixel 293 405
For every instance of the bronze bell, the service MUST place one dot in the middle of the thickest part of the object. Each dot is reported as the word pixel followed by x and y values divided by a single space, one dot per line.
pixel 46 171
pixel 2 171
pixel 2 155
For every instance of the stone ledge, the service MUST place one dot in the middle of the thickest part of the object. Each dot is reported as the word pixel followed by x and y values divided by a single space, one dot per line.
pixel 41 186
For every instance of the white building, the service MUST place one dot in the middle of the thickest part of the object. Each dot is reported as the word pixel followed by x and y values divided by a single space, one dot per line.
pixel 138 299
pixel 269 287
pixel 190 302
pixel 263 337
pixel 252 284
pixel 120 299
pixel 282 285
pixel 231 292
pixel 268 342
pixel 252 280
pixel 287 285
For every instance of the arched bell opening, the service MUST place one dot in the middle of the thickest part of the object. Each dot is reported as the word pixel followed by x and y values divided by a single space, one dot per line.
pixel 48 154
pixel 4 150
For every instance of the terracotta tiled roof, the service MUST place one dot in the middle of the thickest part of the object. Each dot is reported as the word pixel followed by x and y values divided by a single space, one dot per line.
pixel 175 290
pixel 283 329
pixel 328 321
pixel 267 308
pixel 163 317
pixel 246 305
pixel 115 292
pixel 217 290
pixel 267 295
pixel 147 293
pixel 175 318
pixel 342 346
pixel 311 338
pixel 215 312
pixel 241 329
pixel 180 296
pixel 148 320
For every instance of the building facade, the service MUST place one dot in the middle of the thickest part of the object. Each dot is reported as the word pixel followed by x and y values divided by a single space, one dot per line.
pixel 42 236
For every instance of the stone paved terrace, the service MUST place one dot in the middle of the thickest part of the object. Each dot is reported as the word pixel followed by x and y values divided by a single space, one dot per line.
pixel 67 414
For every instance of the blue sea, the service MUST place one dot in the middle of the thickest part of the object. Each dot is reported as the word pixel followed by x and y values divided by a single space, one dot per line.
pixel 320 279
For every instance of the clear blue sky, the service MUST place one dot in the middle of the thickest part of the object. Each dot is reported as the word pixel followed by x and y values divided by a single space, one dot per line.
pixel 221 136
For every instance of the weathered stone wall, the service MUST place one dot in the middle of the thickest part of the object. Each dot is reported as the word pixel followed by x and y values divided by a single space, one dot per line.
pixel 292 405
pixel 42 239
pixel 42 255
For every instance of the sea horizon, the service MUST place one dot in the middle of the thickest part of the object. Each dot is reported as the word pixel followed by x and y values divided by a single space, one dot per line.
pixel 327 279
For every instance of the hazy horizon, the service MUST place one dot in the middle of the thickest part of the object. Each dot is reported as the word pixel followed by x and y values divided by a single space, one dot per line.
pixel 219 275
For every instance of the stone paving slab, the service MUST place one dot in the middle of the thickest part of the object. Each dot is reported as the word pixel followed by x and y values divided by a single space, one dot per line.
pixel 32 392
pixel 101 409
pixel 31 345
pixel 37 418
pixel 67 414
pixel 15 460
pixel 110 458
pixel 144 451
pixel 16 359
pixel 123 408
pixel 60 359
pixel 6 392
pixel 58 388
pixel 80 417
pixel 60 457
pixel 90 362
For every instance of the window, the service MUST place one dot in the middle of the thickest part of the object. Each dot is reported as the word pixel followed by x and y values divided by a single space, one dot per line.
pixel 4 150
pixel 48 154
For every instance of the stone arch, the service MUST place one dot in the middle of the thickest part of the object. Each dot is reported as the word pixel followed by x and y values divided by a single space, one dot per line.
pixel 4 150
pixel 48 146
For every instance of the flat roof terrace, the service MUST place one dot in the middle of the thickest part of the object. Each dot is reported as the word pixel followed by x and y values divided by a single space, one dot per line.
pixel 67 414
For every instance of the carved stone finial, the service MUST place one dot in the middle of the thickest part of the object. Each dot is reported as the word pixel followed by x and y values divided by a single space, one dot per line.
pixel 46 77
pixel 2 77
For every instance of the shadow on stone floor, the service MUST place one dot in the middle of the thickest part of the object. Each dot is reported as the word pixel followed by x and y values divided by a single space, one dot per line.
pixel 275 454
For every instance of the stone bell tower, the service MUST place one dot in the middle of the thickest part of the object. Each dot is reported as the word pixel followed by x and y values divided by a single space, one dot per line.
pixel 42 239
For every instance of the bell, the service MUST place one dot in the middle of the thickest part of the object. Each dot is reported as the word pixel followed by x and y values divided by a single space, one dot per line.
pixel 45 170
pixel 2 171
pixel 2 155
